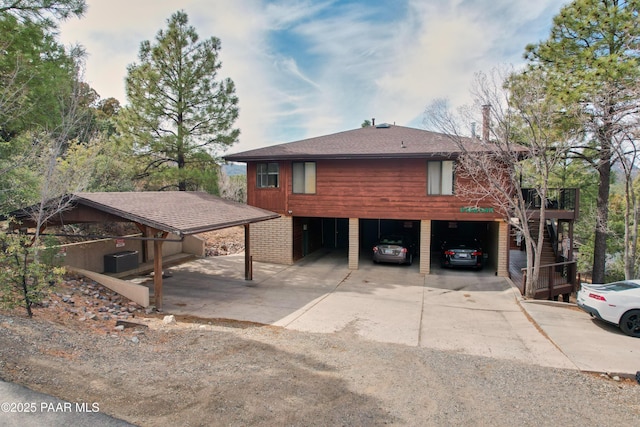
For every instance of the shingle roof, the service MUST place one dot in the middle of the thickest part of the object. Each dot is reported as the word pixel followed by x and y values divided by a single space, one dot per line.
pixel 368 142
pixel 179 212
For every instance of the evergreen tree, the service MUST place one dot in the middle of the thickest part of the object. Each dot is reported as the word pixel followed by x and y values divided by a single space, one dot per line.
pixel 180 114
pixel 591 61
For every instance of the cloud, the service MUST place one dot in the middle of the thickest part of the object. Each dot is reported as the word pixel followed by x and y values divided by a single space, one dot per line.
pixel 304 68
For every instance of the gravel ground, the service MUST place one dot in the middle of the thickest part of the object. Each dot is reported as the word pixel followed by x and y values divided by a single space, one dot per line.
pixel 217 372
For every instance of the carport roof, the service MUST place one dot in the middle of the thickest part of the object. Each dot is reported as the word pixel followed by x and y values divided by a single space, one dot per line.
pixel 178 212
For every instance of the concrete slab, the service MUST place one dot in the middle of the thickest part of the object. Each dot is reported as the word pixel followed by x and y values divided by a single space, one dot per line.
pixel 590 344
pixel 486 323
pixel 384 309
pixel 469 312
pixel 216 288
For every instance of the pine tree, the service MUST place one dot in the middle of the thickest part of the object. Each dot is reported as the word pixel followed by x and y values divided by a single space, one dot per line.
pixel 591 60
pixel 180 114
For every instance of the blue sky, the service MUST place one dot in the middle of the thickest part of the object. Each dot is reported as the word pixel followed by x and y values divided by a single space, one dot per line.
pixel 309 68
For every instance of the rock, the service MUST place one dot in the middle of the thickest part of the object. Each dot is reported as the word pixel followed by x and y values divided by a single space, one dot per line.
pixel 135 340
pixel 169 320
pixel 150 309
pixel 119 328
pixel 130 324
pixel 91 316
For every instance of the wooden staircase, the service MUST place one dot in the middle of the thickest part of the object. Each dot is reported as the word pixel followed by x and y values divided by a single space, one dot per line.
pixel 553 278
pixel 548 255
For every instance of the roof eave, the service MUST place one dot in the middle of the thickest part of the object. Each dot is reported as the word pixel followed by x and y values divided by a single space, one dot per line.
pixel 199 230
pixel 342 156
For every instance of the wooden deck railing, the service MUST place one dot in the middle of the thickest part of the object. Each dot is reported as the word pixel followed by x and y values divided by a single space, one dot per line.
pixel 553 280
pixel 557 198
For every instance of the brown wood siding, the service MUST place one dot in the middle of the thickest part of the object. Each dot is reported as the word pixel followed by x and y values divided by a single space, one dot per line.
pixel 392 189
pixel 273 199
pixel 389 188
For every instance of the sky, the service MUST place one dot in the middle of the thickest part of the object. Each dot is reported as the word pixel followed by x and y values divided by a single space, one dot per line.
pixel 306 68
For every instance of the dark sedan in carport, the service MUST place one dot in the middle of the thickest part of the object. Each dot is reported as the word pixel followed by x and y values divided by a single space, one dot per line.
pixel 462 253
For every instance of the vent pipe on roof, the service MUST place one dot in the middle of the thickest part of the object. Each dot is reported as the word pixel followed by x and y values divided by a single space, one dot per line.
pixel 486 122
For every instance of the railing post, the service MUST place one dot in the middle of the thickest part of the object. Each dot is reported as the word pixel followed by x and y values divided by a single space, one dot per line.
pixel 551 279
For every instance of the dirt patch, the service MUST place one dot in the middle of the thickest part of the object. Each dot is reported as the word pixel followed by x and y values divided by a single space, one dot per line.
pixel 227 241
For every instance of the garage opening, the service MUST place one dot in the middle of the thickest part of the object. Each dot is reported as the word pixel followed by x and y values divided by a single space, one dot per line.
pixel 311 234
pixel 485 232
pixel 372 229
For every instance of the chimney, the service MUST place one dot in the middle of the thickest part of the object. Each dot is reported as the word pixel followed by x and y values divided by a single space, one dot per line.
pixel 486 122
pixel 373 122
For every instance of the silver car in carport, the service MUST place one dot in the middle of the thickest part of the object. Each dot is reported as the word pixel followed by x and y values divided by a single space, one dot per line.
pixel 396 249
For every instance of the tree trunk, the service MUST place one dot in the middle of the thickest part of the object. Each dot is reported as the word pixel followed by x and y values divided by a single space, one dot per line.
pixel 630 230
pixel 25 286
pixel 602 219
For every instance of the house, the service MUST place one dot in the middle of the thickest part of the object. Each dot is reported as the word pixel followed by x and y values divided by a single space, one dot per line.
pixel 346 189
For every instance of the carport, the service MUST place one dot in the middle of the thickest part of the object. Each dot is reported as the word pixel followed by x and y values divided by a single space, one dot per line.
pixel 485 232
pixel 311 234
pixel 372 229
pixel 156 214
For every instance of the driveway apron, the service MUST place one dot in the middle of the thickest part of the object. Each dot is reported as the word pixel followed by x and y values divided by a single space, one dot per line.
pixel 455 311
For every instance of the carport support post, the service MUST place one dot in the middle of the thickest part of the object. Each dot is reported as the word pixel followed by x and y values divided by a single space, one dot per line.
pixel 157 268
pixel 354 243
pixel 425 246
pixel 248 264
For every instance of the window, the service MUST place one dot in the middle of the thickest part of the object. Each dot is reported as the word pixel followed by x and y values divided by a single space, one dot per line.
pixel 440 178
pixel 268 175
pixel 304 177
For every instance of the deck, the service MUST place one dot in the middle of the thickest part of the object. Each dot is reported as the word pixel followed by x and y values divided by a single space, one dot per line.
pixel 555 279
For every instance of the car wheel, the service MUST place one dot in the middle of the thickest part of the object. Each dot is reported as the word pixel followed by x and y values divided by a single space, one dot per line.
pixel 630 323
pixel 410 259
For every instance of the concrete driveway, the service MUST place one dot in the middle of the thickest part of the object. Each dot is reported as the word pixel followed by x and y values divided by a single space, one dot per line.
pixel 461 311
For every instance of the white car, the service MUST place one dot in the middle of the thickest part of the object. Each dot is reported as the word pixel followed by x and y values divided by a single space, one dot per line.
pixel 617 303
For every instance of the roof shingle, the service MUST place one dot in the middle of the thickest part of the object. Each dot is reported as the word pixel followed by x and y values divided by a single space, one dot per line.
pixel 180 212
pixel 368 142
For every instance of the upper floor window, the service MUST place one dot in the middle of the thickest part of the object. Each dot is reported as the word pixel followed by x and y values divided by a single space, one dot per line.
pixel 304 177
pixel 440 177
pixel 268 175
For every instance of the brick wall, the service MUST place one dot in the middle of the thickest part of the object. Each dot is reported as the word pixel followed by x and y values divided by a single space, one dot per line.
pixel 425 246
pixel 272 241
pixel 503 249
